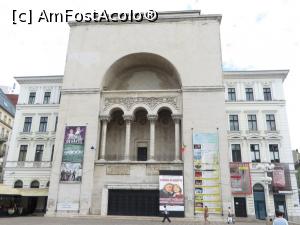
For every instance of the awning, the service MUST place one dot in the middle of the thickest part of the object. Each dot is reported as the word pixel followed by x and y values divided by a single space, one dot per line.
pixel 30 192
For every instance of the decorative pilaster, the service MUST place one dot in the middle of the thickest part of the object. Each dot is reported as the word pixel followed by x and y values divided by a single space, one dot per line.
pixel 177 119
pixel 105 119
pixel 152 119
pixel 128 119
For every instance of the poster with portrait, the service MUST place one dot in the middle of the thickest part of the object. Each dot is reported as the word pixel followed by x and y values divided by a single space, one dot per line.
pixel 206 173
pixel 73 151
pixel 240 178
pixel 171 191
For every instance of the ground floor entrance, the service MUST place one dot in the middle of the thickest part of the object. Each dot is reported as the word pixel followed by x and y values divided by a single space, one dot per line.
pixel 280 205
pixel 240 207
pixel 133 202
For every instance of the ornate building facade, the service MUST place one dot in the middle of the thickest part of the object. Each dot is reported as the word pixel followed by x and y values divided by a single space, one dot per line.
pixel 134 97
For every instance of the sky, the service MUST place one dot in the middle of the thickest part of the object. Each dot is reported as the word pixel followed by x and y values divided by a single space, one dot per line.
pixel 255 34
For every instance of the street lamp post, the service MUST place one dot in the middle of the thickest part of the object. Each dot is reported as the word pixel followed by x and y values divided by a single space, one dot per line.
pixel 267 180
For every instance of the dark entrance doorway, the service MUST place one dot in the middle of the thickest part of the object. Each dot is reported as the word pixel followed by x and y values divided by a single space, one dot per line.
pixel 279 202
pixel 240 207
pixel 142 154
pixel 133 202
pixel 259 202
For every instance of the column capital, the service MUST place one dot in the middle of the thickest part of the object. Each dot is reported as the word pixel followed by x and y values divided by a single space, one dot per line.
pixel 176 117
pixel 105 118
pixel 128 117
pixel 152 117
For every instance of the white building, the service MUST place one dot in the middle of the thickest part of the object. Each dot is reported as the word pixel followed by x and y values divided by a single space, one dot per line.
pixel 32 143
pixel 132 96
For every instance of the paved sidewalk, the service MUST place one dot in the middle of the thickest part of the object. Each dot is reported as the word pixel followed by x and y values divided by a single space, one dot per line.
pixel 103 221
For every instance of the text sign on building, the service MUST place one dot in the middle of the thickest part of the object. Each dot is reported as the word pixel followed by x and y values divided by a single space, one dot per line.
pixel 71 167
pixel 206 173
pixel 240 178
pixel 171 192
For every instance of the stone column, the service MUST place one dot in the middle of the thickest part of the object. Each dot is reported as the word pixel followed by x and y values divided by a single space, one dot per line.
pixel 128 119
pixel 152 119
pixel 177 119
pixel 105 119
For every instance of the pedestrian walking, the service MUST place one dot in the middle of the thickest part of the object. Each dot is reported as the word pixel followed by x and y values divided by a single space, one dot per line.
pixel 206 215
pixel 279 219
pixel 166 213
pixel 230 216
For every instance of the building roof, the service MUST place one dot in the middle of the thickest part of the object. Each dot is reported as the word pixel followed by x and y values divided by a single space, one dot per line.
pixel 13 98
pixel 6 104
pixel 40 79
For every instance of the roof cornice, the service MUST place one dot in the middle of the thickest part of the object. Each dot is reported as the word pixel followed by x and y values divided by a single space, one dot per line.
pixel 258 74
pixel 39 79
pixel 165 16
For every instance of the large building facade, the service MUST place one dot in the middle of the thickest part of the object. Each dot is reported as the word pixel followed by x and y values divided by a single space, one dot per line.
pixel 132 100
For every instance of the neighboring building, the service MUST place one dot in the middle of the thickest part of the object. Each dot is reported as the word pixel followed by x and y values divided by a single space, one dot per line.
pixel 13 98
pixel 144 102
pixel 30 155
pixel 7 113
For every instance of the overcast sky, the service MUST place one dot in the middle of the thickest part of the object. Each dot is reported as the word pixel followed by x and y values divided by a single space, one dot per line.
pixel 255 34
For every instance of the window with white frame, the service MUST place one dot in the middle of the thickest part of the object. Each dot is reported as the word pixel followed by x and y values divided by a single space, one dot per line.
pixel 236 153
pixel 43 124
pixel 267 94
pixel 47 97
pixel 274 153
pixel 22 153
pixel 231 94
pixel 39 153
pixel 271 124
pixel 255 153
pixel 249 94
pixel 27 124
pixel 252 122
pixel 234 122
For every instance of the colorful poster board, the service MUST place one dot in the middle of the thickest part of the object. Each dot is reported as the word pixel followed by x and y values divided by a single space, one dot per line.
pixel 171 191
pixel 240 178
pixel 206 173
pixel 73 151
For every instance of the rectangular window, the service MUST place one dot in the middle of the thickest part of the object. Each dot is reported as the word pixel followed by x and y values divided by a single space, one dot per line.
pixel 43 124
pixel 252 122
pixel 249 94
pixel 267 94
pixel 231 94
pixel 39 153
pixel 31 99
pixel 142 154
pixel 274 153
pixel 47 97
pixel 52 153
pixel 234 122
pixel 27 124
pixel 255 154
pixel 56 120
pixel 271 125
pixel 236 153
pixel 23 152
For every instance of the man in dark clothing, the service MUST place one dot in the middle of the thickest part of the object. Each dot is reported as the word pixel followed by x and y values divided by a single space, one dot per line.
pixel 166 215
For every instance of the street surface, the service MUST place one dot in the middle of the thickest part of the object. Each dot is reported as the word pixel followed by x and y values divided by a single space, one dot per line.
pixel 104 221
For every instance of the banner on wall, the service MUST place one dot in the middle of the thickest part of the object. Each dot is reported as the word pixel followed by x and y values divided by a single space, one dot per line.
pixel 281 180
pixel 171 192
pixel 206 173
pixel 240 178
pixel 73 151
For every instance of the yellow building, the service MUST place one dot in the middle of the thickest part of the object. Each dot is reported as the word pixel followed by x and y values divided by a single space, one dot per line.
pixel 7 113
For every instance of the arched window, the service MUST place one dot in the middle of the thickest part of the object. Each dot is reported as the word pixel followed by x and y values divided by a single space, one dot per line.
pixel 18 184
pixel 258 188
pixel 48 184
pixel 35 184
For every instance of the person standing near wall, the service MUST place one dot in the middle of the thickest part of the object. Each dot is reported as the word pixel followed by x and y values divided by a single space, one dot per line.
pixel 166 213
pixel 279 219
pixel 206 215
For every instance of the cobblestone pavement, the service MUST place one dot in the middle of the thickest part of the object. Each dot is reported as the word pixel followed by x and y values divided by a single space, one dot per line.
pixel 103 221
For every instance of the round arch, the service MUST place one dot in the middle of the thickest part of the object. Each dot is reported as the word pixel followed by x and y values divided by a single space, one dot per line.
pixel 35 184
pixel 141 71
pixel 18 184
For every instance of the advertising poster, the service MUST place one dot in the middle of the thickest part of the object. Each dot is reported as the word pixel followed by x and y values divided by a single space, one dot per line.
pixel 171 191
pixel 72 159
pixel 206 173
pixel 240 178
pixel 281 180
